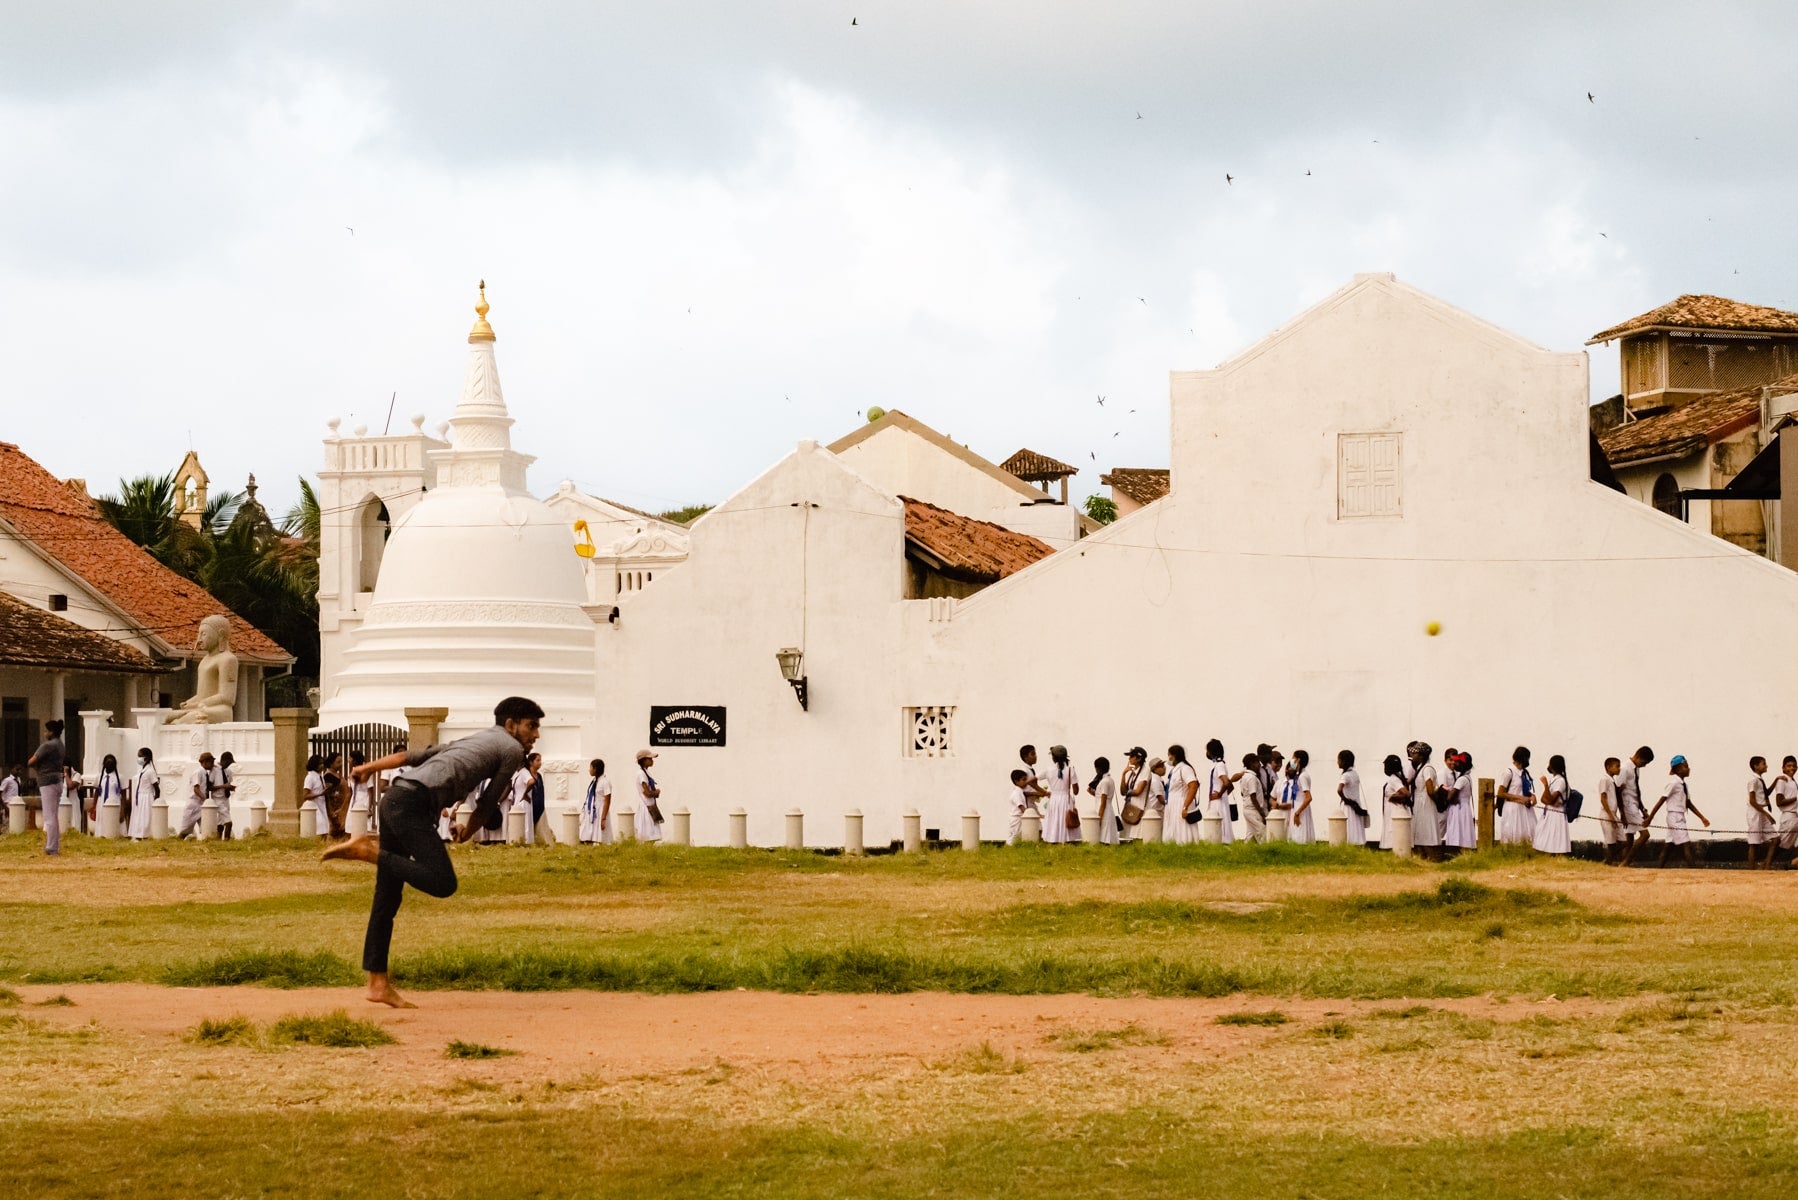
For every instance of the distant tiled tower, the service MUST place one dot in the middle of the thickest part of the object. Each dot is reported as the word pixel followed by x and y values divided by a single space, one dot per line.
pixel 190 491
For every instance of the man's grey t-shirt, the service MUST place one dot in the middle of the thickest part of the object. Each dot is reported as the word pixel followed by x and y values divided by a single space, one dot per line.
pixel 49 761
pixel 452 770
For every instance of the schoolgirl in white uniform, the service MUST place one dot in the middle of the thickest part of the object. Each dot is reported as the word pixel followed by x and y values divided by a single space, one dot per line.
pixel 1134 789
pixel 362 790
pixel 1550 835
pixel 649 792
pixel 1158 792
pixel 596 809
pixel 1763 829
pixel 1063 787
pixel 145 788
pixel 1426 818
pixel 1216 791
pixel 1104 791
pixel 1395 798
pixel 1184 798
pixel 314 787
pixel 1517 788
pixel 521 800
pixel 110 788
pixel 1459 828
pixel 1348 791
pixel 1300 826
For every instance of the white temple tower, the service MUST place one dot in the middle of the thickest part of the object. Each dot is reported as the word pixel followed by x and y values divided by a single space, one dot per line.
pixel 479 594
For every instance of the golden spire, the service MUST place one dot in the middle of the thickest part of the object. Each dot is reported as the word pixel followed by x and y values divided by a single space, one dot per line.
pixel 482 332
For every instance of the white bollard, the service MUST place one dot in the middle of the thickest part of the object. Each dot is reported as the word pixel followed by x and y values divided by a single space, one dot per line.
pixel 159 819
pixel 914 831
pixel 109 819
pixel 852 831
pixel 308 820
pixel 1401 836
pixel 680 828
pixel 1150 829
pixel 1089 830
pixel 568 827
pixel 739 829
pixel 356 821
pixel 515 820
pixel 209 821
pixel 1211 829
pixel 1031 828
pixel 795 829
pixel 1276 826
pixel 258 814
pixel 970 831
pixel 1339 830
pixel 624 823
pixel 17 816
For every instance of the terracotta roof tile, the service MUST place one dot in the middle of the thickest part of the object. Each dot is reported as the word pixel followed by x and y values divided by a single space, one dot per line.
pixel 1690 427
pixel 66 526
pixel 31 637
pixel 1028 464
pixel 1706 312
pixel 978 551
pixel 1145 485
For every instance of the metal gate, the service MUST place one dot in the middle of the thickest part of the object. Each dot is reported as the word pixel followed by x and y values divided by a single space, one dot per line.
pixel 373 740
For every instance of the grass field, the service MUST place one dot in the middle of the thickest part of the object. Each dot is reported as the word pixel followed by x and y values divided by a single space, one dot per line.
pixel 1155 1021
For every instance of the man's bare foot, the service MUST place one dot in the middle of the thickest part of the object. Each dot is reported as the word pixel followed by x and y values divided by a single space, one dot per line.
pixel 381 992
pixel 364 848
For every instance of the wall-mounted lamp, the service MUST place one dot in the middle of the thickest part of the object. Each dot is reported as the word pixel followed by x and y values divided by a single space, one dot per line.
pixel 792 669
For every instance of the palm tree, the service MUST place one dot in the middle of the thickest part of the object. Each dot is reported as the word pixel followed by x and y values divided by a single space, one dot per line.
pixel 144 511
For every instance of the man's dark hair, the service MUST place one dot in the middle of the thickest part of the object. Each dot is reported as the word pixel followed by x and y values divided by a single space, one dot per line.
pixel 1645 754
pixel 516 708
pixel 1023 750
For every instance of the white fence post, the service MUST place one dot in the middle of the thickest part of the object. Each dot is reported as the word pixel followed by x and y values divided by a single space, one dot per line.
pixel 852 831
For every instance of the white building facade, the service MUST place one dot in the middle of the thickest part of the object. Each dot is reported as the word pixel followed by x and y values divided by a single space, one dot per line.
pixel 1440 475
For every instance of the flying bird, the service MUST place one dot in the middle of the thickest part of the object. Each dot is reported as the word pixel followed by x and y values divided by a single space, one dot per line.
pixel 1139 116
pixel 853 21
pixel 1228 179
pixel 1589 99
pixel 1307 172
pixel 351 229
pixel 1145 303
pixel 1092 455
pixel 1603 234
pixel 1101 401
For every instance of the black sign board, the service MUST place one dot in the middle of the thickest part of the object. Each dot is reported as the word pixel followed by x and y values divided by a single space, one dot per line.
pixel 686 725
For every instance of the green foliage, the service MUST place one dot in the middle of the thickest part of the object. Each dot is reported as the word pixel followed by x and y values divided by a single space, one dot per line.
pixel 1270 1017
pixel 233 1031
pixel 685 515
pixel 58 1001
pixel 271 968
pixel 461 1049
pixel 1089 1040
pixel 337 1029
pixel 1101 509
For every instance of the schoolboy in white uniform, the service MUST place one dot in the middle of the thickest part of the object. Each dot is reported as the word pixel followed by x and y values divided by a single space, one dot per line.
pixel 1763 829
pixel 1675 801
pixel 1613 831
pixel 1022 804
pixel 1785 803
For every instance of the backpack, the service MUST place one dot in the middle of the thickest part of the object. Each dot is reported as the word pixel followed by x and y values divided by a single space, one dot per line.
pixel 1571 805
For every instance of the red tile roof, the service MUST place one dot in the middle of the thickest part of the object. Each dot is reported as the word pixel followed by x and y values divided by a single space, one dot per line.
pixel 1691 427
pixel 1028 464
pixel 1706 312
pixel 31 637
pixel 66 526
pixel 978 551
pixel 1145 485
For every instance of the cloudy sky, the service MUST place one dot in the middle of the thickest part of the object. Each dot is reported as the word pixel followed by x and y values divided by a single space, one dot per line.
pixel 711 228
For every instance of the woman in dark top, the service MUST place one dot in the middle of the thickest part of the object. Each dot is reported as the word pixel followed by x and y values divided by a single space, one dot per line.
pixel 48 763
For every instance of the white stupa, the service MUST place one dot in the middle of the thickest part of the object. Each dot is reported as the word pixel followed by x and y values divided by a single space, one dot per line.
pixel 480 590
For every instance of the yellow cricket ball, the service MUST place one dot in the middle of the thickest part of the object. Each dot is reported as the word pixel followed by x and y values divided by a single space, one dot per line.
pixel 1433 628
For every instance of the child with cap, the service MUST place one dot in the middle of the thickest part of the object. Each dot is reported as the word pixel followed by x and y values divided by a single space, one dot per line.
pixel 1676 800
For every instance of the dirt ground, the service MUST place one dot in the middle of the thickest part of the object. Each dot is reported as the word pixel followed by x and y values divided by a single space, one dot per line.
pixel 572 1035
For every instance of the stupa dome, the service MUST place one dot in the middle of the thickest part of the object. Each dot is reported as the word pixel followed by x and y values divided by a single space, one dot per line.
pixel 480 593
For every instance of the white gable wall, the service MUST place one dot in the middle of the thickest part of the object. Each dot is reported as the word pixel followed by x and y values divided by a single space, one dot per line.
pixel 898 461
pixel 768 572
pixel 1574 620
